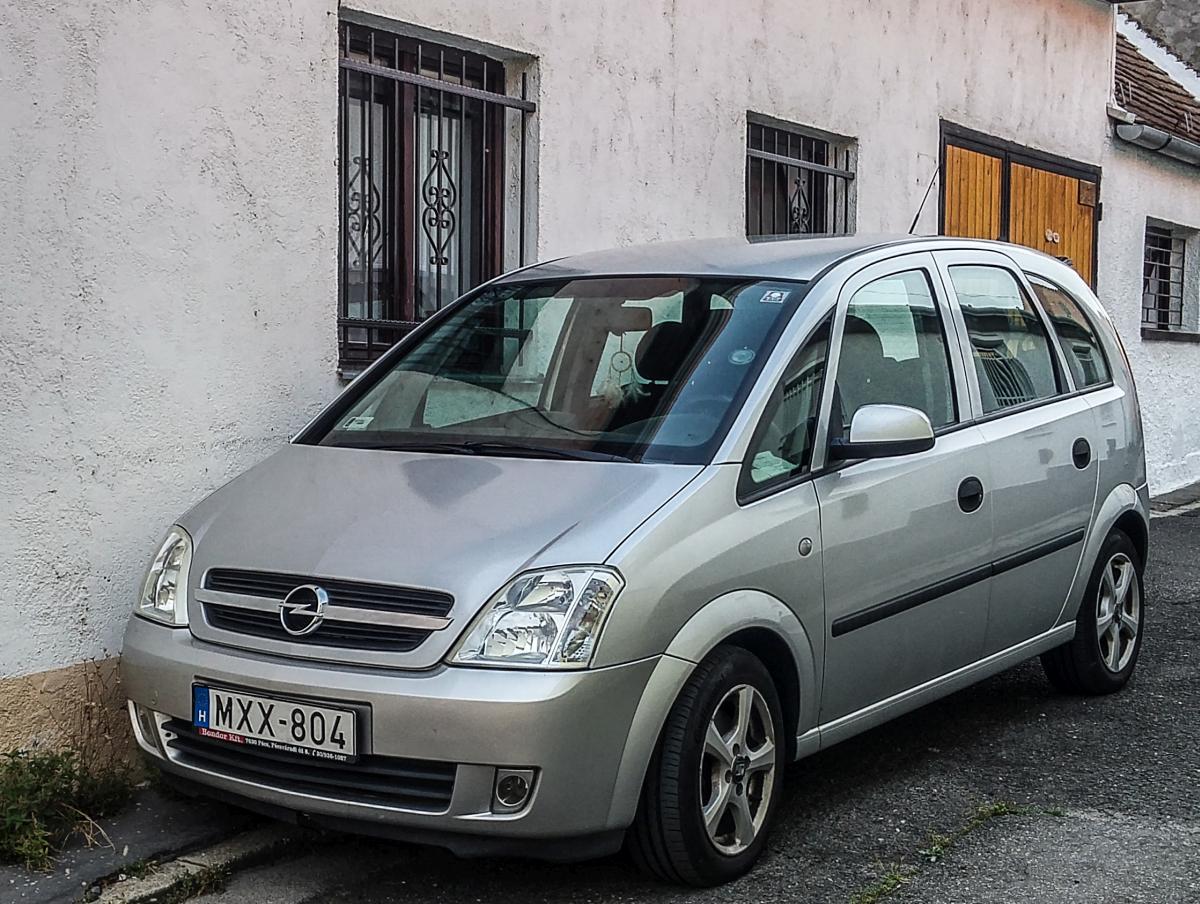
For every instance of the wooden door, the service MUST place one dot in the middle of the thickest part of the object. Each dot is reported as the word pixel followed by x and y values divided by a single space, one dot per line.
pixel 974 194
pixel 1055 214
pixel 993 189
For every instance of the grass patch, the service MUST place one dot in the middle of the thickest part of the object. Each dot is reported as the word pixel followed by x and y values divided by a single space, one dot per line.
pixel 48 797
pixel 985 812
pixel 937 847
pixel 895 876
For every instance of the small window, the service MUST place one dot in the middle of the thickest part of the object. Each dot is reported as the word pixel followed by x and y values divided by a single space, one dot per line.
pixel 1008 341
pixel 1075 334
pixel 894 352
pixel 1162 278
pixel 1170 269
pixel 798 181
pixel 431 201
pixel 783 444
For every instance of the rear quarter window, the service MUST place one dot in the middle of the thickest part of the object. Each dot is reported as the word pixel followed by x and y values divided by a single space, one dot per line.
pixel 1076 334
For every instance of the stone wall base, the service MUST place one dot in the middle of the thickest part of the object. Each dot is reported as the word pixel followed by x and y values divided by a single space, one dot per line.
pixel 80 707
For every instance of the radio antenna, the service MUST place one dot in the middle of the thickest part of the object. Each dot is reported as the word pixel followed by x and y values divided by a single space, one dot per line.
pixel 920 210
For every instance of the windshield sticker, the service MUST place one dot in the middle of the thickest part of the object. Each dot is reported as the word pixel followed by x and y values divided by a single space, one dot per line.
pixel 362 422
pixel 741 356
pixel 774 296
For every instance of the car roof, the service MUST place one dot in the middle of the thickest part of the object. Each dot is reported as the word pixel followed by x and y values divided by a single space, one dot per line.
pixel 788 257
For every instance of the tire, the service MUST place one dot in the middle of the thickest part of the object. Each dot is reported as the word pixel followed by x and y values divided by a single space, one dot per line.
pixel 669 838
pixel 1088 664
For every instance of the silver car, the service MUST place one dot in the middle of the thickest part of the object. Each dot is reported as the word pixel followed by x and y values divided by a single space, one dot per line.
pixel 599 549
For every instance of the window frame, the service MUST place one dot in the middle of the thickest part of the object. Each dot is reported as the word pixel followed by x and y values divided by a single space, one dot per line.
pixel 809 151
pixel 946 260
pixel 1011 154
pixel 1033 278
pixel 1188 238
pixel 948 338
pixel 747 490
pixel 945 302
pixel 407 218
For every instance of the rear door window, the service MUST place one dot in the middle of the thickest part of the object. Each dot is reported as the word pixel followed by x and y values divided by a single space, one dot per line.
pixel 1009 343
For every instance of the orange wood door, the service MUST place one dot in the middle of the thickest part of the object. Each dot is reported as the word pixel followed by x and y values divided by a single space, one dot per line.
pixel 973 188
pixel 1055 214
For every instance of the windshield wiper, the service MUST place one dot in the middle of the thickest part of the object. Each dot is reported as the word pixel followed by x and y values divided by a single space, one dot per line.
pixel 452 448
pixel 499 447
pixel 529 450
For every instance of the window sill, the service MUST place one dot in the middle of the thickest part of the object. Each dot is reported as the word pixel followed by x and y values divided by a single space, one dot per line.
pixel 1169 335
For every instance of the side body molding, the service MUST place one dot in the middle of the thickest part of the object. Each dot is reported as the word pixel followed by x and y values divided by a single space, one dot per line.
pixel 706 629
pixel 1121 499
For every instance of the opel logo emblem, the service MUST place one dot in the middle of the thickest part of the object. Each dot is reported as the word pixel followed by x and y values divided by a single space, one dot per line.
pixel 303 609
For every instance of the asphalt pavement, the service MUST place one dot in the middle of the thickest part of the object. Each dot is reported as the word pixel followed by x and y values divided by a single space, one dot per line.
pixel 1005 792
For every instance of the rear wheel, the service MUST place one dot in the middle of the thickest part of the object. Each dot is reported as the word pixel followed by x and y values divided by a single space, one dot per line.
pixel 715 778
pixel 1108 631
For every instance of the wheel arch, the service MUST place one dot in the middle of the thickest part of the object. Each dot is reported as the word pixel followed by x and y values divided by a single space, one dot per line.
pixel 751 619
pixel 1122 509
pixel 1134 526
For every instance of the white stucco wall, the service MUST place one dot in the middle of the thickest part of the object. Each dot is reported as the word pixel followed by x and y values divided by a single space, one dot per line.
pixel 168 223
pixel 642 111
pixel 168 188
pixel 1137 185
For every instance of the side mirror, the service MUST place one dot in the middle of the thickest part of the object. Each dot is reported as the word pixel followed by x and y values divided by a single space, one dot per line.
pixel 884 431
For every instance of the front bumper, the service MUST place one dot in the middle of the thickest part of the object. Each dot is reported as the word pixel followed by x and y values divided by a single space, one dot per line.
pixel 588 734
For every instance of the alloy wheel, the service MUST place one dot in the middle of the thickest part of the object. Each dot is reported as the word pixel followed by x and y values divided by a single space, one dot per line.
pixel 737 769
pixel 1118 612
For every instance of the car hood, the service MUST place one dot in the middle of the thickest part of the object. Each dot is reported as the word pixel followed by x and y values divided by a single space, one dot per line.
pixel 460 524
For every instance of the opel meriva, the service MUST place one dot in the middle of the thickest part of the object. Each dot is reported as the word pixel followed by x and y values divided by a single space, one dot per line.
pixel 598 549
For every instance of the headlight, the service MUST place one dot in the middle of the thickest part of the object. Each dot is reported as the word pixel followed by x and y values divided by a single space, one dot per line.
pixel 544 620
pixel 164 593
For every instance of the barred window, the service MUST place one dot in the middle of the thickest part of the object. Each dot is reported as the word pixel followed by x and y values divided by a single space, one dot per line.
pixel 797 181
pixel 432 159
pixel 1162 284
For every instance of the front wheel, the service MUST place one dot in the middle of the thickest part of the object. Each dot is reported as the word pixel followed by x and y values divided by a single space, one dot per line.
pixel 716 775
pixel 1108 631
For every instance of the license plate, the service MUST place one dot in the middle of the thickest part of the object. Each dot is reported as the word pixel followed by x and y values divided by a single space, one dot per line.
pixel 321 732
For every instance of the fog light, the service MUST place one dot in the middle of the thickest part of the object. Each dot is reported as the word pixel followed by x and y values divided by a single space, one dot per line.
pixel 145 727
pixel 512 789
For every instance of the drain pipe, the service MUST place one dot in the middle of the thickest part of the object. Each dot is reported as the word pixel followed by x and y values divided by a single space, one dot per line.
pixel 1160 142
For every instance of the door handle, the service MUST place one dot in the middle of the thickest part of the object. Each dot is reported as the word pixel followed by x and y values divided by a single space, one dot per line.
pixel 970 495
pixel 1081 453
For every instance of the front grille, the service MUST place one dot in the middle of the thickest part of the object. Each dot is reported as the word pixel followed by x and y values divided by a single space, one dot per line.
pixel 382 597
pixel 350 635
pixel 381 780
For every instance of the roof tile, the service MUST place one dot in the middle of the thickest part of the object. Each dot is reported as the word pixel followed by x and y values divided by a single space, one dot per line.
pixel 1153 96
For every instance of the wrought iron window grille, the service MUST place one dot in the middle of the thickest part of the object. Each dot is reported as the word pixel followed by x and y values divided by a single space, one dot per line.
pixel 797 183
pixel 433 182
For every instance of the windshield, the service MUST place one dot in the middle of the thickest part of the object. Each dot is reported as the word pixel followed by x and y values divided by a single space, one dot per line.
pixel 636 368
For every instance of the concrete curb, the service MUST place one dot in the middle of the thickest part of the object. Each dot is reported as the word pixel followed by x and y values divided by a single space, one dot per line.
pixel 1177 501
pixel 203 870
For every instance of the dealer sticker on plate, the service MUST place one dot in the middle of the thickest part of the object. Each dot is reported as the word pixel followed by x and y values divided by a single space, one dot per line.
pixel 321 732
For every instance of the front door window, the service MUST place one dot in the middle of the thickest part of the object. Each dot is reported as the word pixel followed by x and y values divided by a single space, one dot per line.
pixel 894 352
